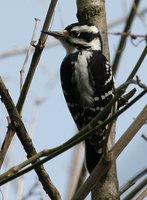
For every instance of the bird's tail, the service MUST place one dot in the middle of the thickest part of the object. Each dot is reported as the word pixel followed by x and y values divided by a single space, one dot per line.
pixel 92 156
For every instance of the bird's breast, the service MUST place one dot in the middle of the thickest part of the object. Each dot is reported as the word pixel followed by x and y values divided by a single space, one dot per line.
pixel 81 77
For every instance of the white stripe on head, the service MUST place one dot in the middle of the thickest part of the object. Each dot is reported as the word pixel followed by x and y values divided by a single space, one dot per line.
pixel 86 28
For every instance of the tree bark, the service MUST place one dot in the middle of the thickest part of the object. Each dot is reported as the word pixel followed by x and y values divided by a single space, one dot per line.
pixel 93 11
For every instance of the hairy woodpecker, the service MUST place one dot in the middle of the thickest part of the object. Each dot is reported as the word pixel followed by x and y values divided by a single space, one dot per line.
pixel 87 82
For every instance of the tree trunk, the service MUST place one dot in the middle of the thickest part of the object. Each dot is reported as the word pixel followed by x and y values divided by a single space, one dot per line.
pixel 93 11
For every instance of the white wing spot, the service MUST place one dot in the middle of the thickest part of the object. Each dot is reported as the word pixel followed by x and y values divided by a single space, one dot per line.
pixel 92 109
pixel 100 151
pixel 108 80
pixel 99 108
pixel 107 67
pixel 106 95
pixel 104 137
pixel 96 98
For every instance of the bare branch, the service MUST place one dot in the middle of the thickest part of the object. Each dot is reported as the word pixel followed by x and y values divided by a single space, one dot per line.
pixel 125 98
pixel 35 60
pixel 143 38
pixel 137 189
pixel 130 133
pixel 20 51
pixel 102 168
pixel 36 56
pixel 22 71
pixel 74 171
pixel 128 34
pixel 27 142
pixel 31 191
pixel 142 195
pixel 144 137
pixel 132 181
pixel 139 83
pixel 124 38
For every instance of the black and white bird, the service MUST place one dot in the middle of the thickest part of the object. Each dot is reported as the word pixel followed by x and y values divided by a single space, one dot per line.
pixel 87 82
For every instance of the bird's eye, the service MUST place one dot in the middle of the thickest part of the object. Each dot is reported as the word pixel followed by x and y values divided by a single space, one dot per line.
pixel 75 34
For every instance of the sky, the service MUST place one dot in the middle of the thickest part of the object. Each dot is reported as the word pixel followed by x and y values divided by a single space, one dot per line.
pixel 50 123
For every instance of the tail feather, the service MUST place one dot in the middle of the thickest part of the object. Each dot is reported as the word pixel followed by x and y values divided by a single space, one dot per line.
pixel 92 157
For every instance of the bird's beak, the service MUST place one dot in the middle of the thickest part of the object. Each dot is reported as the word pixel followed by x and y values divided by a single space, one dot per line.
pixel 57 35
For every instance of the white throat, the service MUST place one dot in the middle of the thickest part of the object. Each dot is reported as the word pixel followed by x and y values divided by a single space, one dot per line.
pixel 93 45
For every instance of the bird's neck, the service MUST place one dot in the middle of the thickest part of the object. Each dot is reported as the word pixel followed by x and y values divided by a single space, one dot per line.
pixel 79 49
pixel 94 45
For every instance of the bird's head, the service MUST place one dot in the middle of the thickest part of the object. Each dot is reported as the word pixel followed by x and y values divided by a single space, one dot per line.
pixel 78 37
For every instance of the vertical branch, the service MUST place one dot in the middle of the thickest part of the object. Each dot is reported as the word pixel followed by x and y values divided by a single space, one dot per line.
pixel 74 171
pixel 22 71
pixel 94 12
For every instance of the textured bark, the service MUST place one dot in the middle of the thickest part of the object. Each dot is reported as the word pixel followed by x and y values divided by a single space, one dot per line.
pixel 93 11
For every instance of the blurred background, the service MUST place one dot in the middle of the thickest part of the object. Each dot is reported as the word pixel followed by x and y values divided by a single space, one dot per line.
pixel 45 113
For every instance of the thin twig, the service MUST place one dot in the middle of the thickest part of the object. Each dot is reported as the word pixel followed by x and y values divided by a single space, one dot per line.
pixel 135 191
pixel 74 171
pixel 125 98
pixel 35 59
pixel 22 78
pixel 132 181
pixel 144 137
pixel 124 38
pixel 139 83
pixel 21 51
pixel 22 71
pixel 36 56
pixel 35 113
pixel 128 34
pixel 142 195
pixel 31 191
pixel 133 37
